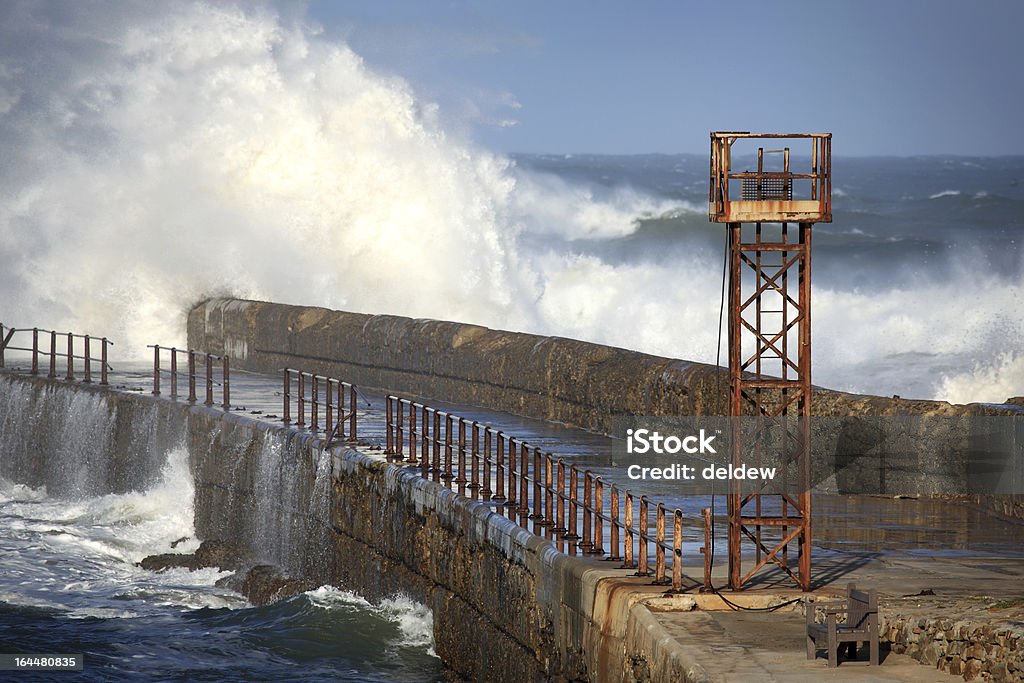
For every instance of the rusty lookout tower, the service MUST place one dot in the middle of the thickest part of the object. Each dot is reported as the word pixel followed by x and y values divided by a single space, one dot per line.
pixel 769 212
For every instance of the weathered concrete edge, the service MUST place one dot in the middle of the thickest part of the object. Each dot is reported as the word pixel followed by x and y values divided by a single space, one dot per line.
pixel 619 627
pixel 667 656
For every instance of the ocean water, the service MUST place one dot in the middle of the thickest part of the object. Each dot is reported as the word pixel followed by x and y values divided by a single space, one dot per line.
pixel 69 585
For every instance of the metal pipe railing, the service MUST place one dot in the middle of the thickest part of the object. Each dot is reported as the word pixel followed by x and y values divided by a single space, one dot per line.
pixel 308 392
pixel 174 373
pixel 563 502
pixel 75 350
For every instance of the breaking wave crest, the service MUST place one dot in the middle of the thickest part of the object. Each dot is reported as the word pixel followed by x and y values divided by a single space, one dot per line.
pixel 160 154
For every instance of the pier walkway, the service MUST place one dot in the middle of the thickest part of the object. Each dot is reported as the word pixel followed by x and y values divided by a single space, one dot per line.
pixel 934 563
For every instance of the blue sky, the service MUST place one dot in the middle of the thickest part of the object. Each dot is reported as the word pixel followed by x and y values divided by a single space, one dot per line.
pixel 900 77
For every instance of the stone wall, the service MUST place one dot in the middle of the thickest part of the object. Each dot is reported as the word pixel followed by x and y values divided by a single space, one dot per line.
pixel 549 378
pixel 506 605
pixel 975 639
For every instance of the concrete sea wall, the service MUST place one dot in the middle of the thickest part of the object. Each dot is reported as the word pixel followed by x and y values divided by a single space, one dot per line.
pixel 549 378
pixel 506 605
pixel 594 386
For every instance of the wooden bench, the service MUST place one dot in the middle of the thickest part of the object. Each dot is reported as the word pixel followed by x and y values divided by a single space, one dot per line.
pixel 861 625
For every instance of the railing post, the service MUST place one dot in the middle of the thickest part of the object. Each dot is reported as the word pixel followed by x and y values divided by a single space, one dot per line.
pixel 329 408
pixel 53 355
pixel 191 376
pixel 613 527
pixel 156 369
pixel 627 546
pixel 598 540
pixel 574 484
pixel 88 361
pixel 461 472
pixel 485 490
pixel 286 403
pixel 174 372
pixel 71 357
pixel 35 351
pixel 524 479
pixel 447 473
pixel 706 550
pixel 510 501
pixel 474 472
pixel 538 497
pixel 659 543
pixel 677 550
pixel 412 460
pixel 549 518
pixel 103 362
pixel 300 404
pixel 209 380
pixel 352 413
pixel 314 408
pixel 499 469
pixel 425 439
pixel 225 368
pixel 642 568
pixel 586 545
pixel 389 440
pixel 437 443
pixel 561 526
pixel 399 430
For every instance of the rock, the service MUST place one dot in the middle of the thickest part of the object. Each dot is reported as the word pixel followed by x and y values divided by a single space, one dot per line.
pixel 931 654
pixel 213 553
pixel 264 584
pixel 159 563
pixel 221 554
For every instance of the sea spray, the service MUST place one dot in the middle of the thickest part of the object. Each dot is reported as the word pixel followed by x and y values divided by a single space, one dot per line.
pixel 318 544
pixel 173 151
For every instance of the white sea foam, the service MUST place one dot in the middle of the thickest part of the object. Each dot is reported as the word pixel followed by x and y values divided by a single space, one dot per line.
pixel 94 544
pixel 172 151
pixel 414 620
pixel 985 381
pixel 945 193
pixel 329 597
pixel 9 491
pixel 125 527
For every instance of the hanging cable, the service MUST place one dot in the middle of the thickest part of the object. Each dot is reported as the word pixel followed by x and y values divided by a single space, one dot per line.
pixel 718 379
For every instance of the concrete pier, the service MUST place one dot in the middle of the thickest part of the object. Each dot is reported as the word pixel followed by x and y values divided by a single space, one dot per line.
pixel 507 606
